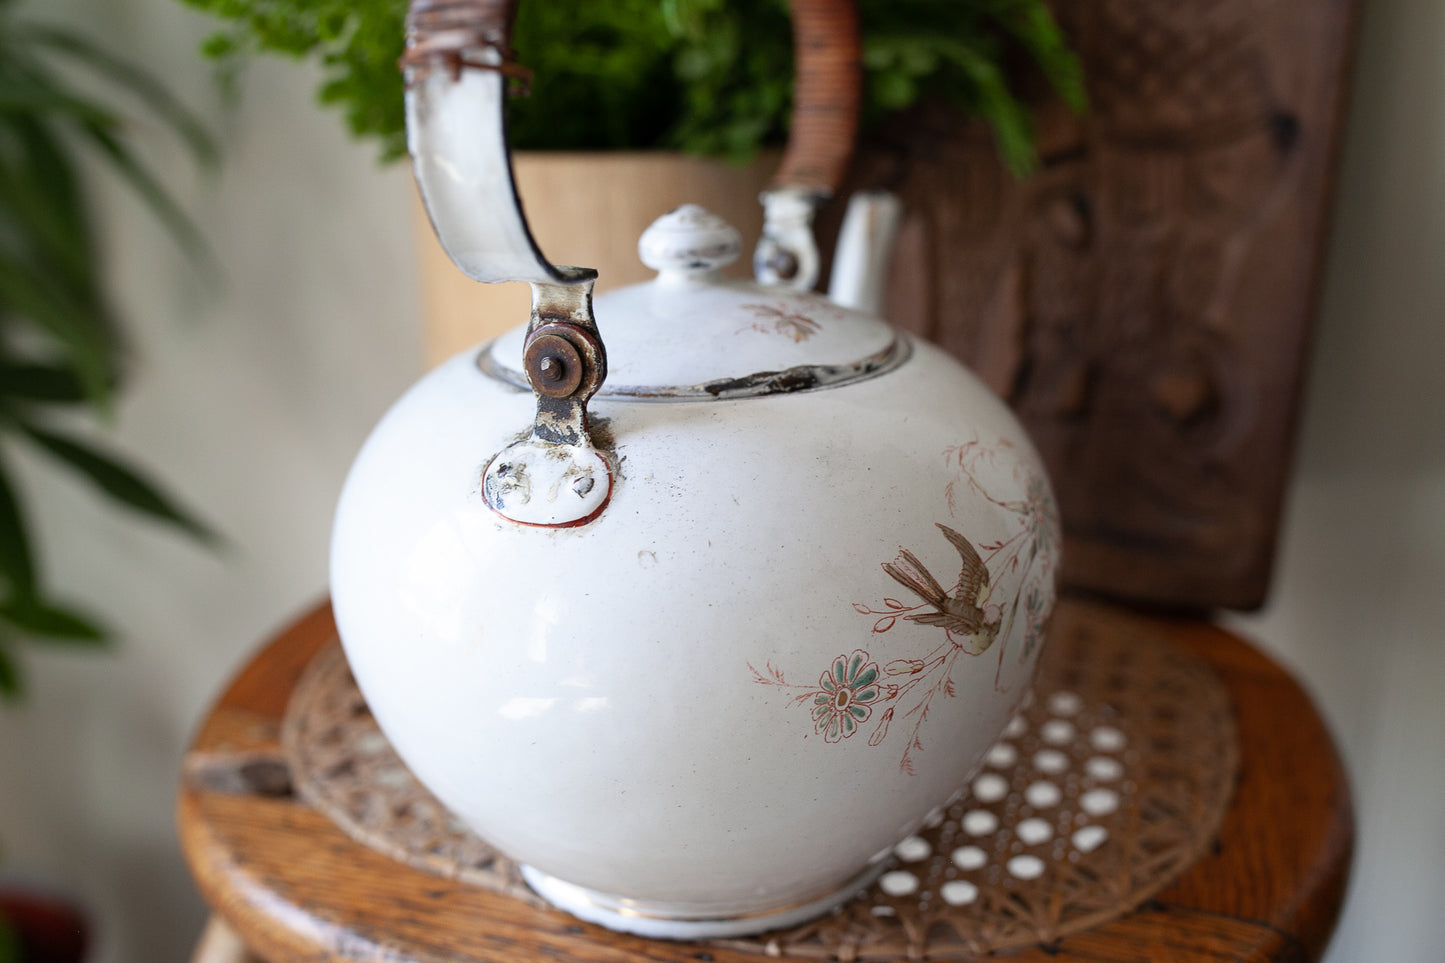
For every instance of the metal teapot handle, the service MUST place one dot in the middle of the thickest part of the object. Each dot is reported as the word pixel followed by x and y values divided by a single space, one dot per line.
pixel 826 94
pixel 464 167
pixel 827 89
pixel 457 64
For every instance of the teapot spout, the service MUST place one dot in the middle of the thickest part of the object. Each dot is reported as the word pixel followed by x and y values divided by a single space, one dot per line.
pixel 865 246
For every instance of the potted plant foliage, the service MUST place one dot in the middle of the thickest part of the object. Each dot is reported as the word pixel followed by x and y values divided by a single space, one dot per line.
pixel 62 352
pixel 670 100
pixel 62 344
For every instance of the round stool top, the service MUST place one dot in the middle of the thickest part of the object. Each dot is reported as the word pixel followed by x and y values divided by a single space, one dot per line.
pixel 295 886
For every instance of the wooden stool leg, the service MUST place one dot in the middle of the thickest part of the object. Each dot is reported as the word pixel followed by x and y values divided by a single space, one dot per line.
pixel 220 944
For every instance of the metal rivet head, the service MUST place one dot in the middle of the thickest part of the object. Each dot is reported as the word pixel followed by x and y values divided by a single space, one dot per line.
pixel 552 368
pixel 553 365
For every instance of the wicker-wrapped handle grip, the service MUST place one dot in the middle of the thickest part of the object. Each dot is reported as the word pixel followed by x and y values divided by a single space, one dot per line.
pixel 447 31
pixel 826 91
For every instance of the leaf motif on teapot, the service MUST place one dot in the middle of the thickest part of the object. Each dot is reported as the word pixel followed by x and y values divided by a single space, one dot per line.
pixel 768 319
pixel 1004 583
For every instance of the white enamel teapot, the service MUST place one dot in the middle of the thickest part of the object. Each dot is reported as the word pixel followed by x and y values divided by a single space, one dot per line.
pixel 698 625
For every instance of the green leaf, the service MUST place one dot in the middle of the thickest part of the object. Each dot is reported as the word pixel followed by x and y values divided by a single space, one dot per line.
pixel 16 562
pixel 125 163
pixel 894 90
pixel 120 482
pixel 11 684
pixel 219 46
pixel 1012 127
pixel 40 383
pixel 706 76
pixel 53 306
pixel 39 191
pixel 50 102
pixel 1034 26
pixel 156 97
pixel 32 617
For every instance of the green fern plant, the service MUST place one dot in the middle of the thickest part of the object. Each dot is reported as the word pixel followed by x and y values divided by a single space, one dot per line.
pixel 61 342
pixel 711 77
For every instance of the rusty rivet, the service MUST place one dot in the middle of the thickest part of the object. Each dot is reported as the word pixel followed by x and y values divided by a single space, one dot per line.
pixel 554 365
pixel 552 368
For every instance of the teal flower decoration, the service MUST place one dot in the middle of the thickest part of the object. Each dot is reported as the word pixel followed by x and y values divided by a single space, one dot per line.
pixel 845 696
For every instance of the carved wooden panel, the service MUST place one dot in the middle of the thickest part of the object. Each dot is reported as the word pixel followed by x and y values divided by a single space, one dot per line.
pixel 1143 301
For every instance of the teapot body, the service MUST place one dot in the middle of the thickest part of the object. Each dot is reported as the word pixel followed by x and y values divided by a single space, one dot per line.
pixel 697 623
pixel 794 631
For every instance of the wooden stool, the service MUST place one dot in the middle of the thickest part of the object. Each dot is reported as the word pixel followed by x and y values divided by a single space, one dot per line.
pixel 292 886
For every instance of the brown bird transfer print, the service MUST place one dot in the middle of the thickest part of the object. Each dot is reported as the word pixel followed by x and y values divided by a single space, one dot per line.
pixel 963 610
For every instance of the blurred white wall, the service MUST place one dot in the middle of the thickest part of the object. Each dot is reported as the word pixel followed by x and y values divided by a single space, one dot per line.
pixel 1358 604
pixel 251 403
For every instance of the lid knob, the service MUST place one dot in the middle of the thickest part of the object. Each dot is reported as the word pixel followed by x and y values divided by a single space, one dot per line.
pixel 689 242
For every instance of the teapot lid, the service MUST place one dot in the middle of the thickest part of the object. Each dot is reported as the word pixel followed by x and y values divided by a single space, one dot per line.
pixel 681 331
pixel 691 335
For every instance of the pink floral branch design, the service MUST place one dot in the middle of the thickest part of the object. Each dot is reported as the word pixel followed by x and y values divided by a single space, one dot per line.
pixel 768 319
pixel 999 582
pixel 844 697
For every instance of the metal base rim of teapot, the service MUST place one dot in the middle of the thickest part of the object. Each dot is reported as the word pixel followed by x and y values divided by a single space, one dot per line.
pixel 662 919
